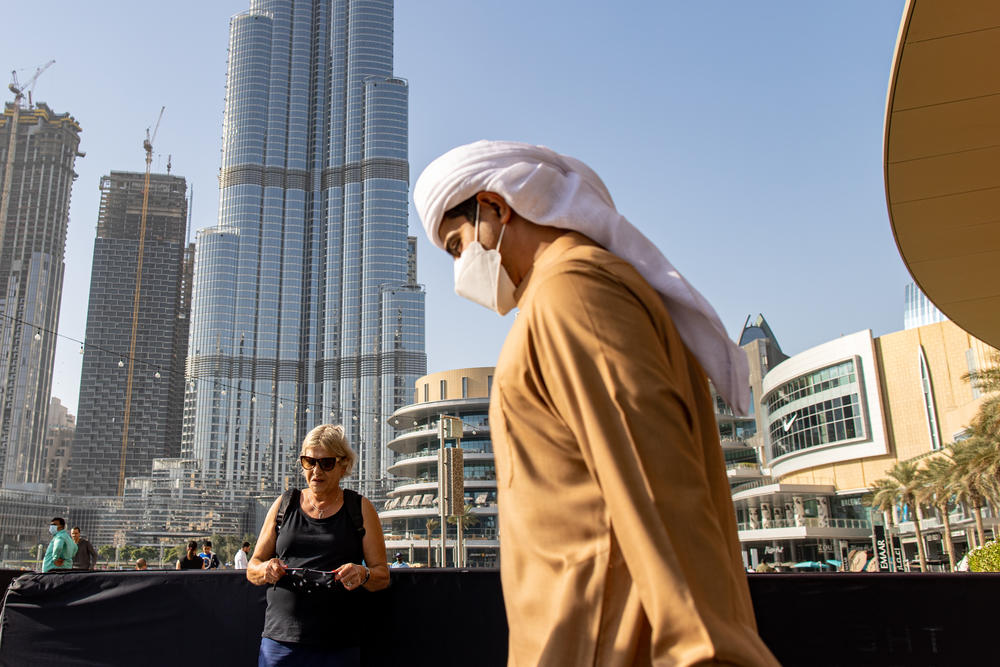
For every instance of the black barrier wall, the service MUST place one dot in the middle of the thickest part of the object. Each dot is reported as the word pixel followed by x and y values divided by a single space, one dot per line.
pixel 450 617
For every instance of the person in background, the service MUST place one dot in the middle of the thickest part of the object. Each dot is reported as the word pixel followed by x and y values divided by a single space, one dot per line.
pixel 141 564
pixel 399 562
pixel 211 559
pixel 191 560
pixel 86 554
pixel 59 554
pixel 240 559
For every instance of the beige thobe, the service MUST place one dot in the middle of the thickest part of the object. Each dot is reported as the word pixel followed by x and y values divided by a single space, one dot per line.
pixel 618 536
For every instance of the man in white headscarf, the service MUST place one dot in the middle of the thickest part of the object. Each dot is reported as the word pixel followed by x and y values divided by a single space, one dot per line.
pixel 619 541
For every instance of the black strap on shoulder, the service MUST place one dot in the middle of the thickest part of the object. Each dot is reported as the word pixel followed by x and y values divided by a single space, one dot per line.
pixel 353 501
pixel 287 498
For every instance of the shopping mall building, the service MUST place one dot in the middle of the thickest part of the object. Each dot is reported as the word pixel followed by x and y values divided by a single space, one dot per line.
pixel 837 417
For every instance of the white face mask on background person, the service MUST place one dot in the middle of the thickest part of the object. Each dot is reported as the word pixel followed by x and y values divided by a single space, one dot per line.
pixel 53 529
pixel 481 278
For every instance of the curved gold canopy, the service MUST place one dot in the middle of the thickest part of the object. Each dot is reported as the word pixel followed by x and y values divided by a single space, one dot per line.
pixel 942 157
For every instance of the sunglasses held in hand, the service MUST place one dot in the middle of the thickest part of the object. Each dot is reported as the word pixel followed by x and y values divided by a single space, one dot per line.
pixel 327 463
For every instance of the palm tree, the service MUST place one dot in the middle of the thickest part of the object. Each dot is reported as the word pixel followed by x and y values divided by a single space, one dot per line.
pixel 468 518
pixel 882 497
pixel 988 379
pixel 968 479
pixel 986 423
pixel 431 525
pixel 936 488
pixel 902 486
pixel 462 521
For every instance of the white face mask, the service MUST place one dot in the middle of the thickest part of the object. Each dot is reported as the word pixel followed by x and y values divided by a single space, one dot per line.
pixel 480 278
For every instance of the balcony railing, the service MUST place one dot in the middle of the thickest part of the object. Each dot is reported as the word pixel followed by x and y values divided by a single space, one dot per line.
pixel 744 486
pixel 433 452
pixel 809 521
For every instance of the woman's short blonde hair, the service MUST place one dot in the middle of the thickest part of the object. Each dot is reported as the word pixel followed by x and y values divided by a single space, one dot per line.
pixel 330 437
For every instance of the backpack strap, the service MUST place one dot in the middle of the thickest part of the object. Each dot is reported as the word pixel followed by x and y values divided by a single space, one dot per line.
pixel 353 501
pixel 287 498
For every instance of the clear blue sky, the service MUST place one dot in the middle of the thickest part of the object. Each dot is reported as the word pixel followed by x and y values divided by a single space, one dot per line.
pixel 744 138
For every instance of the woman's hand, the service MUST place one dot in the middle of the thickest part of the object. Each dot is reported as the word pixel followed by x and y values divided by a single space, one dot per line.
pixel 274 569
pixel 351 576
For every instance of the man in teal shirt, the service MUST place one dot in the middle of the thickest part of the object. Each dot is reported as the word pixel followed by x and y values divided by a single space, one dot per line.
pixel 61 549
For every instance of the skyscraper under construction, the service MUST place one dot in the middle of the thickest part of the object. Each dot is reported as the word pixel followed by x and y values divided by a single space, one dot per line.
pixel 36 173
pixel 304 310
pixel 102 456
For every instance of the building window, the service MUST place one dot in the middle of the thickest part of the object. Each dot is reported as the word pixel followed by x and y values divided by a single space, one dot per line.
pixel 925 385
pixel 812 383
pixel 444 389
pixel 427 392
pixel 465 387
pixel 489 385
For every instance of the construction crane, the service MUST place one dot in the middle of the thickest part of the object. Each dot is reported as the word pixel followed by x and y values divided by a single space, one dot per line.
pixel 147 146
pixel 8 176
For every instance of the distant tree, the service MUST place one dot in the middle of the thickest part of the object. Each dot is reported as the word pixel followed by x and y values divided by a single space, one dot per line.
pixel 226 546
pixel 936 488
pixel 986 380
pixel 149 553
pixel 901 487
pixel 972 480
pixel 105 552
pixel 431 525
pixel 173 554
pixel 468 518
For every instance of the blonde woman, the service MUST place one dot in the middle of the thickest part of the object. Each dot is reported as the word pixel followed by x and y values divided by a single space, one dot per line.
pixel 318 548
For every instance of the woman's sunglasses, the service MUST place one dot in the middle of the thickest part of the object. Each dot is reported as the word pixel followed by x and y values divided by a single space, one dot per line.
pixel 327 463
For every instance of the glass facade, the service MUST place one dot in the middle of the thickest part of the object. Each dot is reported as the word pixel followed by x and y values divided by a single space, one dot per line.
pixel 819 408
pixel 32 246
pixel 305 307
pixel 919 310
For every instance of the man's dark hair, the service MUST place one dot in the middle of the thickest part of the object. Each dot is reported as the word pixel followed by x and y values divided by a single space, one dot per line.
pixel 466 209
pixel 76 528
pixel 207 543
pixel 61 521
pixel 246 544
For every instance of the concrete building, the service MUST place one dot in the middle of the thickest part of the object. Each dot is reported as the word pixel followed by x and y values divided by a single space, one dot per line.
pixel 839 416
pixel 463 393
pixel 305 308
pixel 58 446
pixel 34 213
pixel 102 458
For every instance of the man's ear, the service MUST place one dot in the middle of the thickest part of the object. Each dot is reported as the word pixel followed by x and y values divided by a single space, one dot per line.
pixel 497 203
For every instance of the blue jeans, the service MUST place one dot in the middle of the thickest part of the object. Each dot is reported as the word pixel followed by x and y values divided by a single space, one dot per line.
pixel 289 654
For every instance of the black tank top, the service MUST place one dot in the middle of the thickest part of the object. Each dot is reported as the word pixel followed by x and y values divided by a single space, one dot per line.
pixel 329 617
